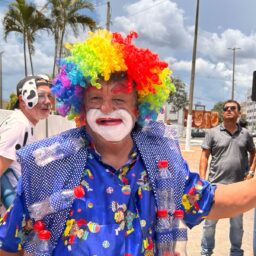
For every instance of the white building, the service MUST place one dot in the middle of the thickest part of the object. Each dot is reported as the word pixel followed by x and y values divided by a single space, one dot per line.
pixel 250 112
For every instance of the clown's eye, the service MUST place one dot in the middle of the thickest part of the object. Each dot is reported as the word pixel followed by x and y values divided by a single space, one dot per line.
pixel 95 98
pixel 118 100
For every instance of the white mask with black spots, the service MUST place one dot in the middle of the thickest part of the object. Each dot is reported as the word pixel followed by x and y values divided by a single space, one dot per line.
pixel 112 127
pixel 29 93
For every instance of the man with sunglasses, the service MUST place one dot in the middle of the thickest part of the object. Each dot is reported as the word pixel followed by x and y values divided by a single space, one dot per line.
pixel 228 144
pixel 33 104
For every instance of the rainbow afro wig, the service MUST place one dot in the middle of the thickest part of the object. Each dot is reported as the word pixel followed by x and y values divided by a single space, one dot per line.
pixel 105 53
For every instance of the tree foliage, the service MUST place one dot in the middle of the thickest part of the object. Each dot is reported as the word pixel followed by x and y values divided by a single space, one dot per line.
pixel 179 98
pixel 24 19
pixel 64 14
pixel 12 101
pixel 218 107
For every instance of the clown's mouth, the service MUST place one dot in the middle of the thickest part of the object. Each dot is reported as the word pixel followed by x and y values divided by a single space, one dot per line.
pixel 108 121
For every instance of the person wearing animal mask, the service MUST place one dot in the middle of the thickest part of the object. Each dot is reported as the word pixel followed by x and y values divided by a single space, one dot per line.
pixel 34 101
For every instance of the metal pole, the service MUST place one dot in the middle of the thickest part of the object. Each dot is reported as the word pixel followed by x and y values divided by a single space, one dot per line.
pixel 1 81
pixel 192 80
pixel 233 75
pixel 108 16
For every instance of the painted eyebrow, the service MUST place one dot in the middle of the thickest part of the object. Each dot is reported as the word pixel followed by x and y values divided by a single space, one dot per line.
pixel 120 89
pixel 92 88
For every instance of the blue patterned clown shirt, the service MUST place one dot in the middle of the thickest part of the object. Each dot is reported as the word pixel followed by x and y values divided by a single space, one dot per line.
pixel 116 216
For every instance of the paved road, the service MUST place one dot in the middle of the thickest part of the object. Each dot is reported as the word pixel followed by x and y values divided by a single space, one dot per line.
pixel 193 141
pixel 222 237
pixel 222 230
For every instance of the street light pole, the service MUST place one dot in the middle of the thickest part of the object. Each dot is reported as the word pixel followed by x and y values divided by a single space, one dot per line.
pixel 108 16
pixel 233 75
pixel 192 80
pixel 1 81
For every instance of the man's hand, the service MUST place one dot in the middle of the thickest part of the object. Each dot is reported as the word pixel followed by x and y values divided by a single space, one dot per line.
pixel 4 164
pixel 249 175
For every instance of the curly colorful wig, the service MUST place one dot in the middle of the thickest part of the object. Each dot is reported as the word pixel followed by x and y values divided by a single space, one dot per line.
pixel 105 53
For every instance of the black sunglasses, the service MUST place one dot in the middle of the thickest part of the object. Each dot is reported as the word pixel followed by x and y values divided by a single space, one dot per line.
pixel 232 108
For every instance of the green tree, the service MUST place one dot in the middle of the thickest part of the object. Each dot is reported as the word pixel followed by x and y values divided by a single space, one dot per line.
pixel 38 22
pixel 25 20
pixel 179 98
pixel 218 107
pixel 12 101
pixel 67 13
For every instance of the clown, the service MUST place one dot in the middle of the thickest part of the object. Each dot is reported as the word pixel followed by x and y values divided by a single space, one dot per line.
pixel 114 90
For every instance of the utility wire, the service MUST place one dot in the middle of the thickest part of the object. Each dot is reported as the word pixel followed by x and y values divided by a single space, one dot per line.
pixel 146 9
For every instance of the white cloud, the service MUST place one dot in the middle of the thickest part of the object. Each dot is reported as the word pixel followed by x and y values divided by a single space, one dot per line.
pixel 40 2
pixel 181 65
pixel 216 46
pixel 161 23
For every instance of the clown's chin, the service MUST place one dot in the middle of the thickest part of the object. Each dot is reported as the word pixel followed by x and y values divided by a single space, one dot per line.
pixel 119 129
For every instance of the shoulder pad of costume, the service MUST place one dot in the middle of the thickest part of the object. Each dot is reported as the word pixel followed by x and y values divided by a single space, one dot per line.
pixel 65 143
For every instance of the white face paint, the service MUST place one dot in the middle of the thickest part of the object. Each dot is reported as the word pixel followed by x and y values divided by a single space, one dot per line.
pixel 112 127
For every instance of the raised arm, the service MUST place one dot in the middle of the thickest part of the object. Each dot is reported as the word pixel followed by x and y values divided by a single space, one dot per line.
pixel 204 163
pixel 3 253
pixel 233 199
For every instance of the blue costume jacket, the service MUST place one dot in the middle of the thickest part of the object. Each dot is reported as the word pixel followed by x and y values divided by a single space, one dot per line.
pixel 58 163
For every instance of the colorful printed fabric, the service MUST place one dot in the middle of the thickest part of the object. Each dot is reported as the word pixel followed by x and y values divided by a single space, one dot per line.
pixel 115 217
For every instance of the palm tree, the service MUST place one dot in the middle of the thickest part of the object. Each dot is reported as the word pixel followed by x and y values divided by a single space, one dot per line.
pixel 67 13
pixel 24 19
pixel 38 22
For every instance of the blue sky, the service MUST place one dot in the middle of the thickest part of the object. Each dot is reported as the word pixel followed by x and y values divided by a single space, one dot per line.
pixel 166 27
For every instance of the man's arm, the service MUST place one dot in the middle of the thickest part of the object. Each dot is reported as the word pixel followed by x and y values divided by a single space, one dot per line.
pixel 4 253
pixel 233 199
pixel 204 163
pixel 251 172
pixel 4 164
pixel 252 160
